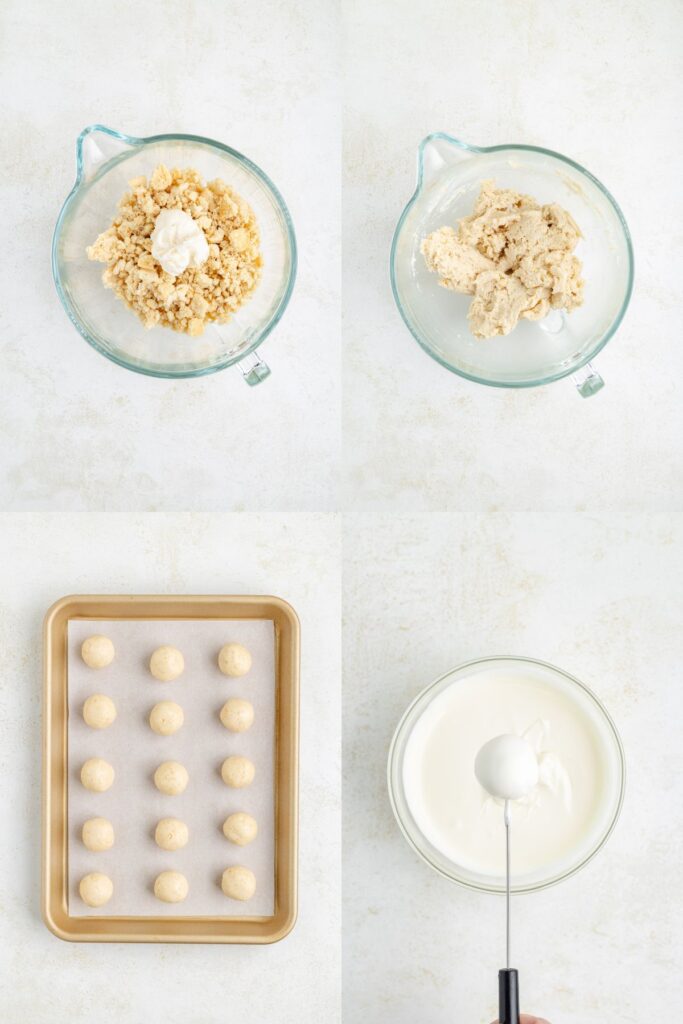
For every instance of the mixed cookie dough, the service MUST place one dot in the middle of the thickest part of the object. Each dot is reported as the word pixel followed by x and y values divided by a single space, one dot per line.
pixel 171 834
pixel 171 778
pixel 181 253
pixel 99 712
pixel 234 660
pixel 237 771
pixel 166 717
pixel 237 714
pixel 96 889
pixel 167 663
pixel 513 255
pixel 97 775
pixel 97 651
pixel 98 834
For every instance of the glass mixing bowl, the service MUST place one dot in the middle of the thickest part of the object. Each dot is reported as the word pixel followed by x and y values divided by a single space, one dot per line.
pixel 610 748
pixel 536 352
pixel 106 161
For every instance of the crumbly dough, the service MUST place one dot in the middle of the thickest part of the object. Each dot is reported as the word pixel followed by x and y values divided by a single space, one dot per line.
pixel 96 889
pixel 97 774
pixel 171 834
pixel 98 834
pixel 166 663
pixel 237 771
pixel 166 717
pixel 171 778
pixel 234 660
pixel 238 883
pixel 171 887
pixel 513 255
pixel 237 714
pixel 97 651
pixel 212 291
pixel 240 828
pixel 99 711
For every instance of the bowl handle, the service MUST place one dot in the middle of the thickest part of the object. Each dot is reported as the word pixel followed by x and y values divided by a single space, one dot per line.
pixel 253 369
pixel 588 381
pixel 96 146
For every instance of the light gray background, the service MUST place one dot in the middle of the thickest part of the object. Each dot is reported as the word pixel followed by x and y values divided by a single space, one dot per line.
pixel 133 804
pixel 485 522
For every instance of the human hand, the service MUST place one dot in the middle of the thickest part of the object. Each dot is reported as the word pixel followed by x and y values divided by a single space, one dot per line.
pixel 527 1018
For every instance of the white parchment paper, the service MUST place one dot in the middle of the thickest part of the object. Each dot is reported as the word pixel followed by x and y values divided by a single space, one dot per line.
pixel 133 804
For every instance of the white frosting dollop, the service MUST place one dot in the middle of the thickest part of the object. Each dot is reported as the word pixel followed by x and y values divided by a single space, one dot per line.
pixel 178 242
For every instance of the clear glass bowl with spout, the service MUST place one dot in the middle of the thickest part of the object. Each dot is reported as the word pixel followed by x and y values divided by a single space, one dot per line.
pixel 612 757
pixel 106 161
pixel 449 176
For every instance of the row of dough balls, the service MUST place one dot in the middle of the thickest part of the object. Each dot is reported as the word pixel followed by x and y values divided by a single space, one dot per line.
pixel 171 833
pixel 167 717
pixel 171 777
pixel 166 663
pixel 237 882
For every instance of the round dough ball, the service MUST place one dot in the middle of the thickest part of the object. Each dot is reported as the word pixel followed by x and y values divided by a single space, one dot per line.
pixel 97 651
pixel 97 774
pixel 165 718
pixel 237 771
pixel 171 887
pixel 238 883
pixel 96 889
pixel 171 778
pixel 171 834
pixel 240 828
pixel 234 660
pixel 99 711
pixel 166 664
pixel 237 714
pixel 98 834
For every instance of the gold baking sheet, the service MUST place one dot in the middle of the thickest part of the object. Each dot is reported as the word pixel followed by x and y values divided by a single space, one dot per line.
pixel 167 927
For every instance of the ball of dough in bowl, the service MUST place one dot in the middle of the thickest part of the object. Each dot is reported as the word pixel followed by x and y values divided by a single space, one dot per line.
pixel 97 651
pixel 99 711
pixel 238 883
pixel 240 828
pixel 171 834
pixel 165 718
pixel 234 660
pixel 171 778
pixel 97 774
pixel 171 887
pixel 237 714
pixel 237 771
pixel 96 889
pixel 166 664
pixel 98 834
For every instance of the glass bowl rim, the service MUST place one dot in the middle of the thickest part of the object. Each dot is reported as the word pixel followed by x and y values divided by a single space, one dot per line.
pixel 138 141
pixel 476 886
pixel 609 333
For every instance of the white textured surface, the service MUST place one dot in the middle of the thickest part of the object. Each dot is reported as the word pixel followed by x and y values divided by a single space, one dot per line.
pixel 47 981
pixel 80 432
pixel 487 522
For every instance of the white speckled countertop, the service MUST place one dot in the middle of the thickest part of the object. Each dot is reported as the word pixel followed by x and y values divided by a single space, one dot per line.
pixel 487 522
pixel 113 481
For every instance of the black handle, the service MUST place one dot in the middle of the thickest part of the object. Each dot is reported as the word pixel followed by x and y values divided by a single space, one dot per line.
pixel 508 996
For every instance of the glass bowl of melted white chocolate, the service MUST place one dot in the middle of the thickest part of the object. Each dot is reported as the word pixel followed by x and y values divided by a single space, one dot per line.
pixel 455 825
pixel 511 265
pixel 174 255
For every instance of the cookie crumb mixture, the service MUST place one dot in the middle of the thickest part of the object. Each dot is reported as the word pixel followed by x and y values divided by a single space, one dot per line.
pixel 513 255
pixel 211 291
